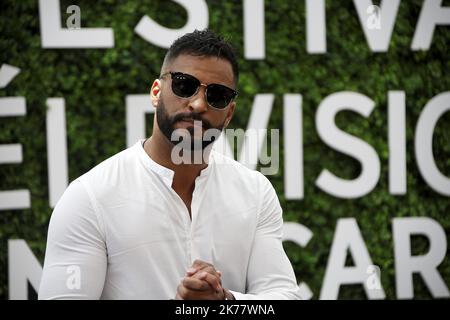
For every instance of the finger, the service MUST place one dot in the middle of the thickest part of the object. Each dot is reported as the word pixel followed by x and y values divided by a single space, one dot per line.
pixel 208 269
pixel 200 264
pixel 191 271
pixel 211 270
pixel 196 266
pixel 195 284
pixel 184 293
pixel 181 292
pixel 212 280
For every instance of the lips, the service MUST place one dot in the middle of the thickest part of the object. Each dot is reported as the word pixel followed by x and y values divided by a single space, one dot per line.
pixel 192 122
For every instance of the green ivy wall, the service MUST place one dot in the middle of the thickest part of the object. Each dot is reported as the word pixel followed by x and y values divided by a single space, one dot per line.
pixel 94 83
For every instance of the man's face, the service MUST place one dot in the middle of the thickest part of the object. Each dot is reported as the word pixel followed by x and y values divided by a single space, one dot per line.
pixel 192 115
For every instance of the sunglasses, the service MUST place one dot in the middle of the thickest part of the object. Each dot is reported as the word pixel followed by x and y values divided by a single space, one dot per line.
pixel 185 86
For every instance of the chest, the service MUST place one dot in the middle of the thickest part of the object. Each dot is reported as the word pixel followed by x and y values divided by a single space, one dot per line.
pixel 186 197
pixel 164 219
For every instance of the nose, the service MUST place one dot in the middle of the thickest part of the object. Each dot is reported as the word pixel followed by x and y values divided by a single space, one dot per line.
pixel 198 103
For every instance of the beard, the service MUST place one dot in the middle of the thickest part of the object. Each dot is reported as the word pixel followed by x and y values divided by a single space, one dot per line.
pixel 166 124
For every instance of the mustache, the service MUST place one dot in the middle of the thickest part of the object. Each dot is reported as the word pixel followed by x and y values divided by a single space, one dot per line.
pixel 191 116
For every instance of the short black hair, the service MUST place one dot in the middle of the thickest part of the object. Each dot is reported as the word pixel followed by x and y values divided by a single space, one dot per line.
pixel 204 43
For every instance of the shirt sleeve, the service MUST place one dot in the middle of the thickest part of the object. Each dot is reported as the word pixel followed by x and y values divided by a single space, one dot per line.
pixel 75 258
pixel 270 275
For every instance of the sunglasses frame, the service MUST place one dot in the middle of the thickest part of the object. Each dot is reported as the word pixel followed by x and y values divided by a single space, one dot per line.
pixel 173 73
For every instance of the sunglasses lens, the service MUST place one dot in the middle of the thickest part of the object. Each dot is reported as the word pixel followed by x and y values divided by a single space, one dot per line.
pixel 184 85
pixel 219 96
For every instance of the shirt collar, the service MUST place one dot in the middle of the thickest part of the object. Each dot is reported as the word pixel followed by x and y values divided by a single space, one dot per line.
pixel 165 173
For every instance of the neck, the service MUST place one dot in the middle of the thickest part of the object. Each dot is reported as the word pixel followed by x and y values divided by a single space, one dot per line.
pixel 160 150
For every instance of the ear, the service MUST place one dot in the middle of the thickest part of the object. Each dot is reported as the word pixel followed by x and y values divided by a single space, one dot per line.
pixel 155 92
pixel 230 113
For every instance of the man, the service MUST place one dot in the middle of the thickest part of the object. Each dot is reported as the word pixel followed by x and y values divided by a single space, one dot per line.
pixel 145 225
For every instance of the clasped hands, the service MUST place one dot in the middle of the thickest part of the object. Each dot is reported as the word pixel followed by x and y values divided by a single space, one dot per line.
pixel 202 282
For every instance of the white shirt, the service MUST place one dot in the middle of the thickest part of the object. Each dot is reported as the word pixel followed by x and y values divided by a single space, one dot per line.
pixel 121 232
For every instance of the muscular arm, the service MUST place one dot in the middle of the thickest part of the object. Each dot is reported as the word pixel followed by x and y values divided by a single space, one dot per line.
pixel 270 274
pixel 75 258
